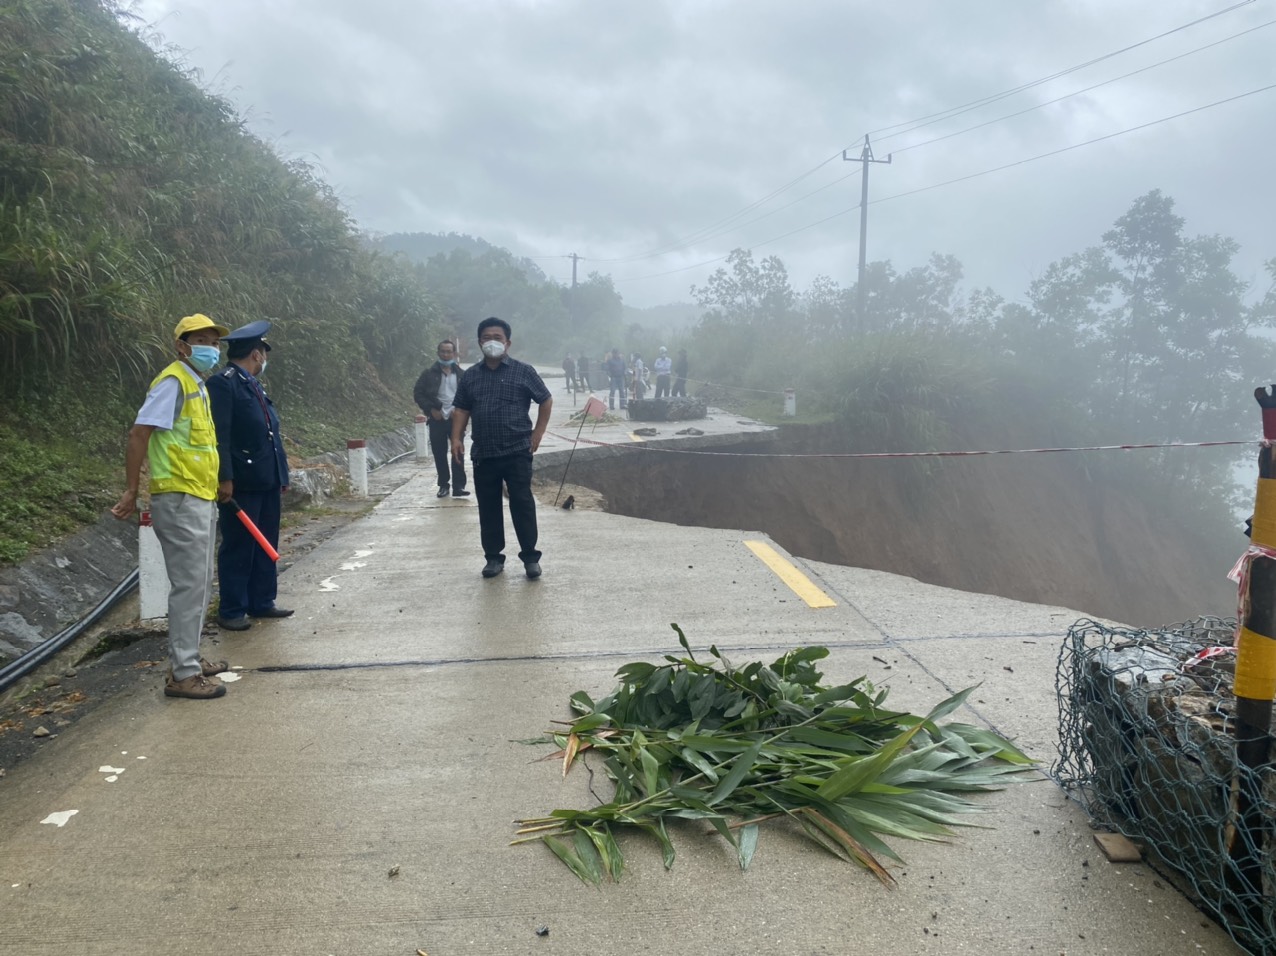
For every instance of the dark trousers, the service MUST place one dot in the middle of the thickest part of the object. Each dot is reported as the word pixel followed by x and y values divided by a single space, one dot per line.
pixel 441 449
pixel 246 578
pixel 617 382
pixel 680 388
pixel 662 386
pixel 515 473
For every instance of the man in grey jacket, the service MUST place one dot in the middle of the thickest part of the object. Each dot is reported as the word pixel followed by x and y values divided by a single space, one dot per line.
pixel 434 392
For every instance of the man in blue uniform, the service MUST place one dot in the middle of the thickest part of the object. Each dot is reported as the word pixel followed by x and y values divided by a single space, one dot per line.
pixel 254 471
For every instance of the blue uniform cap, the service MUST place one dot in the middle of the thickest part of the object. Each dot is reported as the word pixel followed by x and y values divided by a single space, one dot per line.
pixel 250 333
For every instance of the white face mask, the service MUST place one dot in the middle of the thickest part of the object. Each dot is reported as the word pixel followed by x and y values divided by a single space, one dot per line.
pixel 493 349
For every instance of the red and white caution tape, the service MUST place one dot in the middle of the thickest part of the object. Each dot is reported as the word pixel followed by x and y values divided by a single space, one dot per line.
pixel 647 447
pixel 1240 574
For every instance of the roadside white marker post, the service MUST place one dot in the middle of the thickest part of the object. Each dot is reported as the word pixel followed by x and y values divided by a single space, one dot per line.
pixel 790 403
pixel 422 439
pixel 357 454
pixel 152 578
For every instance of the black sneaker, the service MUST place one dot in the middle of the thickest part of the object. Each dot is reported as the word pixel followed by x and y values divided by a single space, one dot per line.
pixel 493 568
pixel 533 569
pixel 460 493
pixel 272 612
pixel 234 623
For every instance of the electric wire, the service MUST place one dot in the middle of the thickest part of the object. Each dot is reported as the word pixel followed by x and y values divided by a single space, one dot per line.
pixel 981 125
pixel 928 120
pixel 961 179
pixel 667 448
pixel 968 129
pixel 700 234
pixel 1059 99
pixel 1065 149
pixel 752 245
pixel 765 215
pixel 918 123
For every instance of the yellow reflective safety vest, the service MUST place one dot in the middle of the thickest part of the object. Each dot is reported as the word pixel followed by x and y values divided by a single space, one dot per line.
pixel 184 457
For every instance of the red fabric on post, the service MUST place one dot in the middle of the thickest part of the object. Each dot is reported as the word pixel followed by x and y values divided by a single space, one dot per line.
pixel 1269 423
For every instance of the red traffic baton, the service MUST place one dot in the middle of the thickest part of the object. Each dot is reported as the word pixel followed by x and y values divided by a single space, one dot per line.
pixel 247 522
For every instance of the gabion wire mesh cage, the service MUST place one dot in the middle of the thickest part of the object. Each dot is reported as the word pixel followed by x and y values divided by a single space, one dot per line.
pixel 1147 746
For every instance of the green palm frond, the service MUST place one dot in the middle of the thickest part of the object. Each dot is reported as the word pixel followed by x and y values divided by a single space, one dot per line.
pixel 735 747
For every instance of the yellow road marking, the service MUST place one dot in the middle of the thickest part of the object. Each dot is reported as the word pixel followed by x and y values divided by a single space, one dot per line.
pixel 790 575
pixel 637 437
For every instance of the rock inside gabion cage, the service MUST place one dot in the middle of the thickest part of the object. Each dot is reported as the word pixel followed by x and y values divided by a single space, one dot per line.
pixel 1147 745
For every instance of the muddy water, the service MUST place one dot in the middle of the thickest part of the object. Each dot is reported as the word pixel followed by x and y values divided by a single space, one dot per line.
pixel 1031 527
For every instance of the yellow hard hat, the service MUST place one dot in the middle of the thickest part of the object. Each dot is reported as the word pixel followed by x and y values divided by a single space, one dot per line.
pixel 193 323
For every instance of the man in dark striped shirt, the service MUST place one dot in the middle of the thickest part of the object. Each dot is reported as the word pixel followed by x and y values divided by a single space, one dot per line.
pixel 496 395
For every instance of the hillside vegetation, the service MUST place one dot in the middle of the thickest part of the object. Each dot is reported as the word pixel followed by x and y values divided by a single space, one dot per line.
pixel 130 197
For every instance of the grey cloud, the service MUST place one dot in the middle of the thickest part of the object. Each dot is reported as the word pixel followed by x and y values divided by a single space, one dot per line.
pixel 613 128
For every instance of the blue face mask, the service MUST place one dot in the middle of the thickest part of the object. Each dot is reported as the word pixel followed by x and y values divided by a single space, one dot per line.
pixel 443 361
pixel 204 357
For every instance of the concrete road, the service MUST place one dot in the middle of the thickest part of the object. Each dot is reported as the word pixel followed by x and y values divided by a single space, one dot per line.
pixel 380 728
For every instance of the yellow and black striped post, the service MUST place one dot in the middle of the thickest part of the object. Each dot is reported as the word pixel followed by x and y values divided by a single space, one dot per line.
pixel 1255 685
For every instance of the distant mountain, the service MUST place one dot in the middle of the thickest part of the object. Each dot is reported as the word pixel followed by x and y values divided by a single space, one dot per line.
pixel 423 246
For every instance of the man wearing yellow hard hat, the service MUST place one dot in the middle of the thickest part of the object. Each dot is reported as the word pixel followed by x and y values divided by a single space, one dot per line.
pixel 174 433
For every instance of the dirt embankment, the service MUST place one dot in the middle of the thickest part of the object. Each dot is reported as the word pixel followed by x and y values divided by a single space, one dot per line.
pixel 1035 528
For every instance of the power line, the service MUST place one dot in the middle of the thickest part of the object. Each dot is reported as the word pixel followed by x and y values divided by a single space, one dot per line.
pixel 648 447
pixel 699 234
pixel 750 222
pixel 712 230
pixel 1089 142
pixel 709 262
pixel 961 179
pixel 946 136
pixel 1058 99
pixel 921 121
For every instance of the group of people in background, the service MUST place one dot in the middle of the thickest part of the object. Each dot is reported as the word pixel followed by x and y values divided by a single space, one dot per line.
pixel 631 377
pixel 576 371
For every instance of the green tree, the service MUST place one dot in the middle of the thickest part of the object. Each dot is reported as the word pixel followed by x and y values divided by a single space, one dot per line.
pixel 597 313
pixel 826 309
pixel 744 293
pixel 1149 337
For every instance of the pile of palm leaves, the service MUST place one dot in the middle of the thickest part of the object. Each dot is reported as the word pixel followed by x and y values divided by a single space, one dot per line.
pixel 737 747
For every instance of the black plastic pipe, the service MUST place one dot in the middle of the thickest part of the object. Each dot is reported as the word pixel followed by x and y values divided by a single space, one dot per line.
pixel 17 669
pixel 14 671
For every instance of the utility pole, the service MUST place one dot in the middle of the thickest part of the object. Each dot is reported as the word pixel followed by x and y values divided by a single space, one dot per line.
pixel 865 157
pixel 571 301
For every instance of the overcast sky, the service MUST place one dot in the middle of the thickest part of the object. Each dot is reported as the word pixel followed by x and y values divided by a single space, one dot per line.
pixel 616 129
